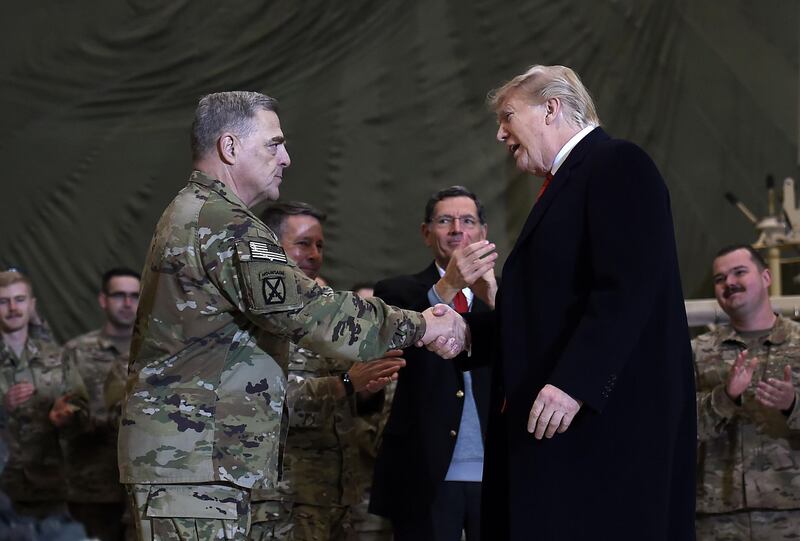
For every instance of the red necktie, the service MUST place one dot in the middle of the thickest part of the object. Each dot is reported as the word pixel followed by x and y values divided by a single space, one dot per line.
pixel 546 183
pixel 460 303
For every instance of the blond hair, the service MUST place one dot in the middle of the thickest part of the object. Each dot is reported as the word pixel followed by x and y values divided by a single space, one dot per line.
pixel 541 83
pixel 11 277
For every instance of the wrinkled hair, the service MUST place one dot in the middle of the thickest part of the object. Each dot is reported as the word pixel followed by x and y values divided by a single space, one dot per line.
pixel 226 111
pixel 275 214
pixel 453 191
pixel 114 273
pixel 756 257
pixel 540 83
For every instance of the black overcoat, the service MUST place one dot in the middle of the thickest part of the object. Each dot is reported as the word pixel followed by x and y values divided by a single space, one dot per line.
pixel 590 301
pixel 418 440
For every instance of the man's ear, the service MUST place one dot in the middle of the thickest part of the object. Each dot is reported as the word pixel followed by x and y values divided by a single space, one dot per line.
pixel 424 230
pixel 767 277
pixel 227 146
pixel 553 108
pixel 102 300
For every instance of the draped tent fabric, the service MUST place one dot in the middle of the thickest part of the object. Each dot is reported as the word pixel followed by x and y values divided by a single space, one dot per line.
pixel 382 103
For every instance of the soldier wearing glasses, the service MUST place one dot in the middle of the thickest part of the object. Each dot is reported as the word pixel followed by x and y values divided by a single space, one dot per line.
pixel 94 364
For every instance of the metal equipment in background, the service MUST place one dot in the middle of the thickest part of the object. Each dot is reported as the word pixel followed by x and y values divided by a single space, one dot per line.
pixel 777 231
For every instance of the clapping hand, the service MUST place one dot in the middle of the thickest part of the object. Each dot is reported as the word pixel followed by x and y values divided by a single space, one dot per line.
pixel 776 393
pixel 471 266
pixel 740 375
pixel 374 375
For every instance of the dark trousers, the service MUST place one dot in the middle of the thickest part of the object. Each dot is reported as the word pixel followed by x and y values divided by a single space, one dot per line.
pixel 456 509
pixel 103 521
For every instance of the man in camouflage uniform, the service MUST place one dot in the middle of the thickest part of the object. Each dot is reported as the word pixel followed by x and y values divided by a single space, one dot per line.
pixel 748 417
pixel 320 464
pixel 88 417
pixel 30 380
pixel 202 421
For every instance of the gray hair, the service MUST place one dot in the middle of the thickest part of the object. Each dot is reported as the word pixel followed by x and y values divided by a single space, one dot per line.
pixel 226 111
pixel 540 83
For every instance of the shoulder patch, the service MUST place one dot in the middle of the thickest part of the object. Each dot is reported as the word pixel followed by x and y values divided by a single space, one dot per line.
pixel 267 276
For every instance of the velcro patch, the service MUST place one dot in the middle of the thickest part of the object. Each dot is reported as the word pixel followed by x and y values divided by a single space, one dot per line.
pixel 274 290
pixel 267 251
pixel 268 276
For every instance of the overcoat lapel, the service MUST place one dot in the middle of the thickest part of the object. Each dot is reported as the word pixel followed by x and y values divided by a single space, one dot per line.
pixel 560 179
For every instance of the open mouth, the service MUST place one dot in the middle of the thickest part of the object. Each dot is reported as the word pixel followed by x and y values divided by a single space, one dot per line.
pixel 513 149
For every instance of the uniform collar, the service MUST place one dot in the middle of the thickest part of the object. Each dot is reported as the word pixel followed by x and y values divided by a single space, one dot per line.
pixel 204 179
pixel 107 342
pixel 29 351
pixel 778 335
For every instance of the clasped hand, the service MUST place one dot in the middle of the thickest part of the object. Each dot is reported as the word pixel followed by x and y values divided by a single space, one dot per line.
pixel 446 332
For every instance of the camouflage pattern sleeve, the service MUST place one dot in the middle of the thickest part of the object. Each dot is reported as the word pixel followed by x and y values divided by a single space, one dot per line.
pixel 313 389
pixel 715 409
pixel 273 293
pixel 75 388
pixel 793 419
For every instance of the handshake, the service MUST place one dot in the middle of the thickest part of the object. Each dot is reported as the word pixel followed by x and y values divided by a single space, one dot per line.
pixel 446 332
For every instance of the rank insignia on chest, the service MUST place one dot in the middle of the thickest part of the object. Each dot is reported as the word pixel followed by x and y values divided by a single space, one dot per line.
pixel 268 251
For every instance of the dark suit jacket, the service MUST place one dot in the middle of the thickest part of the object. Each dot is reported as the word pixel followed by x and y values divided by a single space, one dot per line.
pixel 417 443
pixel 591 302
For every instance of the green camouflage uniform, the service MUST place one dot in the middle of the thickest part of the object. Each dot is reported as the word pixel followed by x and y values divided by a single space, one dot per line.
pixel 369 430
pixel 220 303
pixel 320 462
pixel 748 455
pixel 89 441
pixel 33 477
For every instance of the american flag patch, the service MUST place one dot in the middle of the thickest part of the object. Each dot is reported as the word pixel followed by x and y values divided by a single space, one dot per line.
pixel 264 250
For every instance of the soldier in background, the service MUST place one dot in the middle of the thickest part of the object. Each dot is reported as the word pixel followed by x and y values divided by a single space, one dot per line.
pixel 203 417
pixel 18 528
pixel 748 417
pixel 88 417
pixel 320 464
pixel 30 381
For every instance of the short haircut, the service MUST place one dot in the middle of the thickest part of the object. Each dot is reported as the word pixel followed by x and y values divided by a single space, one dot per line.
pixel 540 83
pixel 453 191
pixel 756 257
pixel 226 111
pixel 115 272
pixel 276 213
pixel 11 277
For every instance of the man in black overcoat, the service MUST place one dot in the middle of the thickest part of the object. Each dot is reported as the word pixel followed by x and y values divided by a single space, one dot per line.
pixel 428 472
pixel 592 427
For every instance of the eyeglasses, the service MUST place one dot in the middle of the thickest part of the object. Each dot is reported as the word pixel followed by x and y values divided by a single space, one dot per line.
pixel 446 221
pixel 121 296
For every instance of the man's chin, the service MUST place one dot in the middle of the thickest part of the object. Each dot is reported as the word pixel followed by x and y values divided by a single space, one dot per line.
pixel 12 328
